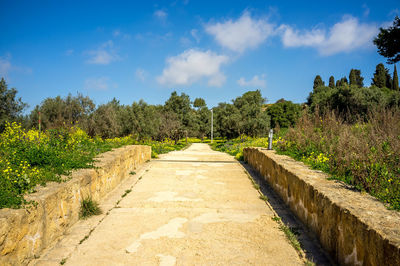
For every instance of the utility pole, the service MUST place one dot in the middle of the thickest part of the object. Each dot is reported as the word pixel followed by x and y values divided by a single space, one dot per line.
pixel 212 122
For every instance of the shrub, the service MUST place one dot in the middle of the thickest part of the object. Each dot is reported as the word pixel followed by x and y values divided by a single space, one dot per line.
pixel 364 154
pixel 89 208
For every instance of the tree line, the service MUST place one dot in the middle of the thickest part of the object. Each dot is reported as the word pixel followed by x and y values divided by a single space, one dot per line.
pixel 176 118
pixel 350 98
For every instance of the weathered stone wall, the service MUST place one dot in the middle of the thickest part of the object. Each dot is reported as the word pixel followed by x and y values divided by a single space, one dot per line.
pixel 353 227
pixel 24 233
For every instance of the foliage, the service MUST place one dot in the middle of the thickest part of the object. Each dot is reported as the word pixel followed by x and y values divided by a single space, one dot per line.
pixel 318 82
pixel 58 112
pixel 331 82
pixel 352 102
pixel 28 158
pixel 165 146
pixel 355 78
pixel 89 207
pixel 284 113
pixel 199 102
pixel 235 146
pixel 365 154
pixel 388 42
pixel 10 107
pixel 381 77
pixel 395 84
pixel 244 117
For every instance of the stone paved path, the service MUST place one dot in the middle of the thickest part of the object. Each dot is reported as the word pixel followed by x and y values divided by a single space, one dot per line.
pixel 192 207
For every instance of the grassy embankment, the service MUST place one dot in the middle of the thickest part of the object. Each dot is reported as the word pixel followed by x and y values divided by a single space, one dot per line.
pixel 28 158
pixel 365 154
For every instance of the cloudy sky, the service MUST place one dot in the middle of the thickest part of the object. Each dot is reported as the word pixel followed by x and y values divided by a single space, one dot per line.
pixel 216 50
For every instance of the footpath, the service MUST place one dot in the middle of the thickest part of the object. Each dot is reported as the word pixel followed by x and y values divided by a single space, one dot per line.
pixel 191 207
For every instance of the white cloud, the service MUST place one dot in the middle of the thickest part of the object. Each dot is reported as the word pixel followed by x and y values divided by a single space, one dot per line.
pixel 193 65
pixel 140 74
pixel 5 65
pixel 98 84
pixel 345 36
pixel 255 82
pixel 241 34
pixel 195 35
pixel 161 15
pixel 104 55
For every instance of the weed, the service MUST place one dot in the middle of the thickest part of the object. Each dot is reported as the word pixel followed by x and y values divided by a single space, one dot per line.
pixel 126 193
pixel 132 173
pixel 263 197
pixel 83 239
pixel 291 236
pixel 63 261
pixel 89 208
pixel 276 218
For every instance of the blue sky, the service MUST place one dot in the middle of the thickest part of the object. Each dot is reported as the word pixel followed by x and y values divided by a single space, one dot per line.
pixel 216 50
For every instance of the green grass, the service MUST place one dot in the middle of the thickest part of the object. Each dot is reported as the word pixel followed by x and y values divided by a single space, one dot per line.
pixel 89 208
pixel 29 158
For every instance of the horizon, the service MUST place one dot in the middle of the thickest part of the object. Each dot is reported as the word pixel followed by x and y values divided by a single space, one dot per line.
pixel 210 50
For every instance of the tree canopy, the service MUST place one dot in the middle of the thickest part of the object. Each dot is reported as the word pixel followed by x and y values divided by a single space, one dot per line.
pixel 10 106
pixel 388 42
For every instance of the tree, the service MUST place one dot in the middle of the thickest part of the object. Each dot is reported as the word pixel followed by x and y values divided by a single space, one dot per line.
pixel 342 82
pixel 199 102
pixel 388 42
pixel 104 121
pixel 284 113
pixel 58 112
pixel 331 82
pixel 10 107
pixel 318 82
pixel 395 84
pixel 355 78
pixel 381 77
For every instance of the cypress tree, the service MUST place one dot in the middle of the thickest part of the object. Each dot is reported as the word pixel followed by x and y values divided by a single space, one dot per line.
pixel 395 84
pixel 318 82
pixel 380 76
pixel 355 78
pixel 352 77
pixel 331 82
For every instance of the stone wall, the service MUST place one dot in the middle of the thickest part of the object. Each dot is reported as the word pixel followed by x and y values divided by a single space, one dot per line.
pixel 24 233
pixel 353 227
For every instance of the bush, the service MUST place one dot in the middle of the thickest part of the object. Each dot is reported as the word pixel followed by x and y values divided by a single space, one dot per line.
pixel 364 154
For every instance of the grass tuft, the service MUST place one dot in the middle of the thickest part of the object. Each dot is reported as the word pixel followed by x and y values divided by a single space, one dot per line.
pixel 89 208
